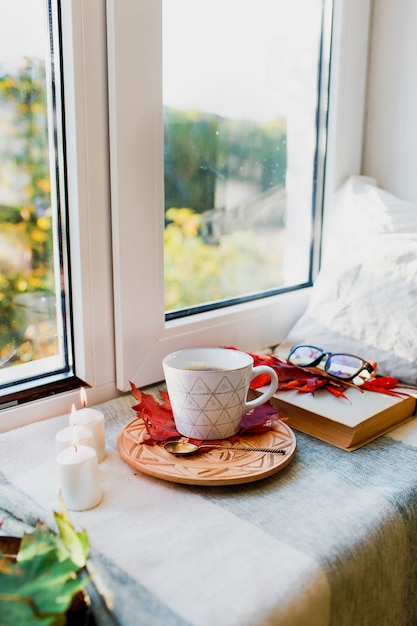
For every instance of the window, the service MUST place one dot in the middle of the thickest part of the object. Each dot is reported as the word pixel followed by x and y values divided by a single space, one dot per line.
pixel 112 67
pixel 84 68
pixel 35 331
pixel 143 334
pixel 242 87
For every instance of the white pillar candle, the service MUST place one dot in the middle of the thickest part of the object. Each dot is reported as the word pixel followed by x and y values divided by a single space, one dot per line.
pixel 93 419
pixel 73 435
pixel 80 484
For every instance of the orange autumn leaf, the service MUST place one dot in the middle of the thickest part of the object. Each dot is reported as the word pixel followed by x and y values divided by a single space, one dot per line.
pixel 135 392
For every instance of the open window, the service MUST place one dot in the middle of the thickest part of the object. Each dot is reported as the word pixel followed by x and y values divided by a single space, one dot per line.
pixel 36 347
pixel 219 138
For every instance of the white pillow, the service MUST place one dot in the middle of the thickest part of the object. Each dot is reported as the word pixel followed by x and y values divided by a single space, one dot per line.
pixel 364 300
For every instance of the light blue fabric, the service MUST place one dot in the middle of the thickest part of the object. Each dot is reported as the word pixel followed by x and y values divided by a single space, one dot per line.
pixel 354 514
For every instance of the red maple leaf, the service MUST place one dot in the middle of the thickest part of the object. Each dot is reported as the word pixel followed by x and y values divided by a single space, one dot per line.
pixel 291 376
pixel 160 424
pixel 383 384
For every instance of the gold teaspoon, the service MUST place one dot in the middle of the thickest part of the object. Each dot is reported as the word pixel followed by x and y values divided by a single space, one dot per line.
pixel 185 448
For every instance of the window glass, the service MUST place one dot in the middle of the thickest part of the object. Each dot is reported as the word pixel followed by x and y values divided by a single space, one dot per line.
pixel 34 333
pixel 241 96
pixel 170 171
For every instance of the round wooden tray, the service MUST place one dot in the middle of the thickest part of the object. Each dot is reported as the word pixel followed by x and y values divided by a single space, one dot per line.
pixel 213 466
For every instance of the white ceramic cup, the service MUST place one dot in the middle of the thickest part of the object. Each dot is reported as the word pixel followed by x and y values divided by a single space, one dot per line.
pixel 208 390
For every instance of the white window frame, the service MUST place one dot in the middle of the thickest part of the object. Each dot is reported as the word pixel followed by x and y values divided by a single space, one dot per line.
pixel 116 254
pixel 135 105
pixel 85 85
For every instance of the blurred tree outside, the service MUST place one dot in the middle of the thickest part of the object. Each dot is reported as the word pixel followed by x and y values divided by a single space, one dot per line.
pixel 201 150
pixel 190 154
pixel 26 244
pixel 200 273
pixel 225 207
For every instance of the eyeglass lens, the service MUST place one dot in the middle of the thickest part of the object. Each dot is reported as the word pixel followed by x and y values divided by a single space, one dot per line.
pixel 343 365
pixel 305 355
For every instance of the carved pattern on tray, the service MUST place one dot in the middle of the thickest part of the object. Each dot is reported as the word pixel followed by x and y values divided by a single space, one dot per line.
pixel 212 466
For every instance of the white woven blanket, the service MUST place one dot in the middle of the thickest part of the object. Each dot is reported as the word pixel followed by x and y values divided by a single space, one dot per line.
pixel 328 541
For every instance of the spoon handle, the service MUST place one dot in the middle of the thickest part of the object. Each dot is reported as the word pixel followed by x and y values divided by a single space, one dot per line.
pixel 245 448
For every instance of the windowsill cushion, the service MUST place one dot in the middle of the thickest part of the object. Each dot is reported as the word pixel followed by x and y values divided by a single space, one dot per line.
pixel 364 300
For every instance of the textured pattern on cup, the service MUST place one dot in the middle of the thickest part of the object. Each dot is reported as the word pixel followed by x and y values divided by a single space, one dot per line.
pixel 209 407
pixel 208 403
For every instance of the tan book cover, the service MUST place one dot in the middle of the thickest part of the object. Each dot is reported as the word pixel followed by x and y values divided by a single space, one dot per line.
pixel 346 423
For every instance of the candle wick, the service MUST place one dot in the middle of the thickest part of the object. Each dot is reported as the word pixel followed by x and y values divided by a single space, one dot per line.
pixel 75 447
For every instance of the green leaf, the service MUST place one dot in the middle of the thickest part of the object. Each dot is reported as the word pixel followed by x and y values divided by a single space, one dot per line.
pixel 45 578
pixel 39 587
pixel 20 614
pixel 40 541
pixel 76 544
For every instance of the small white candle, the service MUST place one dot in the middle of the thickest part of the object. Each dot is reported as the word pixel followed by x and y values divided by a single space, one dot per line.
pixel 80 484
pixel 73 435
pixel 93 419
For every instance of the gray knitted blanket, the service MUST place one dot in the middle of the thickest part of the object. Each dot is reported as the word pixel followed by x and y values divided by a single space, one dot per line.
pixel 330 540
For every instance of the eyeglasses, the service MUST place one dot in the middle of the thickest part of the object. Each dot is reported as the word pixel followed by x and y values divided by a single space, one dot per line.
pixel 340 365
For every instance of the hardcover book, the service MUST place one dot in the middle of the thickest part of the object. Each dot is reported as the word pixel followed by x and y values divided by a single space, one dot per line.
pixel 346 423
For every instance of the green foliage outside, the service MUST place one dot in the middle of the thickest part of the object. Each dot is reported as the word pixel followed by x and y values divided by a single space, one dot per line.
pixel 26 265
pixel 202 149
pixel 196 273
pixel 204 153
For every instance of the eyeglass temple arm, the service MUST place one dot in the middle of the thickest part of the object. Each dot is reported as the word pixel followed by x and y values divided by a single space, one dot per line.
pixel 370 368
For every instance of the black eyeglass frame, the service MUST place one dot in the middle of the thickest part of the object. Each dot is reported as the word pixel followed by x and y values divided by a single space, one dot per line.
pixel 365 365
